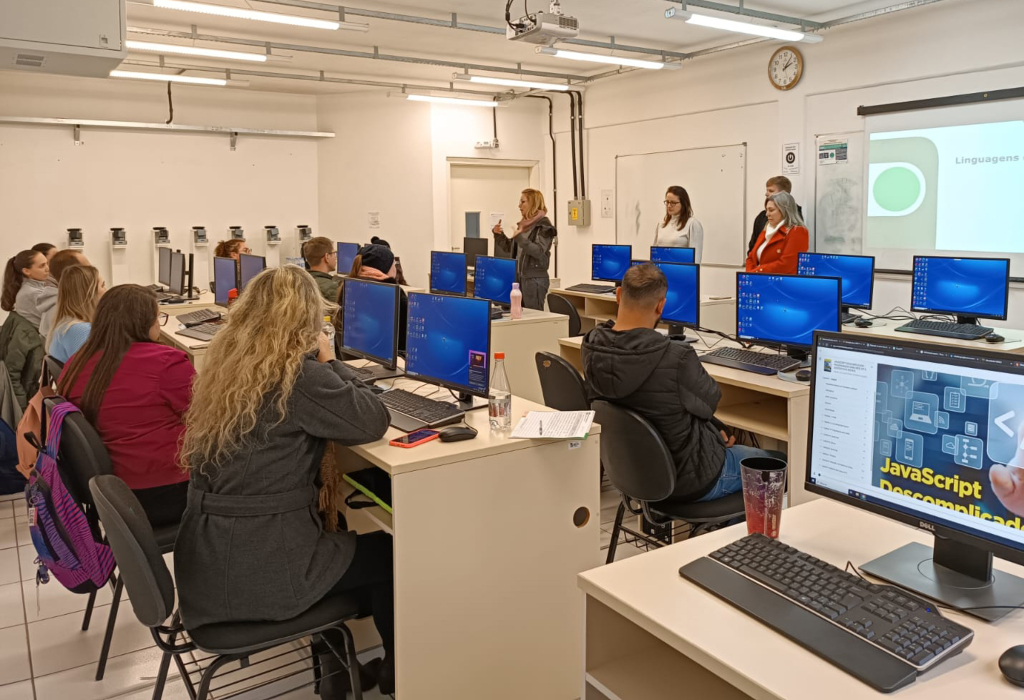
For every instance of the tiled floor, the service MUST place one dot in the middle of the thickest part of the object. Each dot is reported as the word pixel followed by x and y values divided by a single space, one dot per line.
pixel 45 655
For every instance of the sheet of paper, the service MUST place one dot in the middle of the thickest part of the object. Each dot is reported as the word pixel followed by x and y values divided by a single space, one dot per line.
pixel 554 424
pixel 496 216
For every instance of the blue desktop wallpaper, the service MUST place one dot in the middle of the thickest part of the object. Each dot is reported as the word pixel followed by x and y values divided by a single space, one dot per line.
pixel 785 308
pixel 369 319
pixel 448 272
pixel 961 286
pixel 250 266
pixel 225 277
pixel 683 300
pixel 671 255
pixel 449 340
pixel 610 262
pixel 856 272
pixel 494 278
pixel 347 252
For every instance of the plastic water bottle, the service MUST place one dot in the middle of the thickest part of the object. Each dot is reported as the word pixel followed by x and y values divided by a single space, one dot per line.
pixel 329 332
pixel 516 297
pixel 500 399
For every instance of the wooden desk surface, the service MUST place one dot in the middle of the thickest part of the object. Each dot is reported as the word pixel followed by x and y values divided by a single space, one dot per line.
pixel 1014 338
pixel 648 591
pixel 530 316
pixel 704 300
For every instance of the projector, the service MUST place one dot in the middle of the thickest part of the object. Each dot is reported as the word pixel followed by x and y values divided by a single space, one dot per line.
pixel 544 27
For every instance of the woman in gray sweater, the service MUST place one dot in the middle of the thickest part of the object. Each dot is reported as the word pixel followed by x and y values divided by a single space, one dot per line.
pixel 251 544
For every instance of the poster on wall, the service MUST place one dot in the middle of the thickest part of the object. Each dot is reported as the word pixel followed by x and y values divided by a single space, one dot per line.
pixel 838 202
pixel 373 219
pixel 791 159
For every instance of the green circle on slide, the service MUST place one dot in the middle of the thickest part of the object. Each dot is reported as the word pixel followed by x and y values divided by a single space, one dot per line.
pixel 897 189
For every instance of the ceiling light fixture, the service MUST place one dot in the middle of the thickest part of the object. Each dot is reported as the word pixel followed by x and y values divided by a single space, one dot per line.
pixel 243 13
pixel 601 58
pixel 165 78
pixel 446 100
pixel 510 82
pixel 195 51
pixel 731 25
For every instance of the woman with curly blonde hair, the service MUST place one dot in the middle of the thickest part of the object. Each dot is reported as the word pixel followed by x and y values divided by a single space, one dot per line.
pixel 251 544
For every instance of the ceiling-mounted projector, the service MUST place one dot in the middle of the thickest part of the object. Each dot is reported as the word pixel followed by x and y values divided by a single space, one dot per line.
pixel 544 27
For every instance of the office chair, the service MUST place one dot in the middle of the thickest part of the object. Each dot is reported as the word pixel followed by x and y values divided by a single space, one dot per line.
pixel 638 463
pixel 561 384
pixel 560 305
pixel 54 366
pixel 151 588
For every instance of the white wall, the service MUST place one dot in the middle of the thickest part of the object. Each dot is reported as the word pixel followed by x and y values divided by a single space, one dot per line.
pixel 140 179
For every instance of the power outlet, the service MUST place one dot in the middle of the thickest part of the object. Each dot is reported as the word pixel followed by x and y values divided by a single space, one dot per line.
pixel 607 204
pixel 487 144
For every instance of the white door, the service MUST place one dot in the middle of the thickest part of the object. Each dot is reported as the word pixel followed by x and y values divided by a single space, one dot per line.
pixel 486 190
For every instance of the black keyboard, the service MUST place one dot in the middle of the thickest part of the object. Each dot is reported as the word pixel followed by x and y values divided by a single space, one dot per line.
pixel 165 297
pixel 365 373
pixel 758 362
pixel 879 634
pixel 194 318
pixel 591 288
pixel 426 411
pixel 960 331
pixel 204 331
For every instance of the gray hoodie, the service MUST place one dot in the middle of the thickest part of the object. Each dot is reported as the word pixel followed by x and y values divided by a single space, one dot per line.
pixel 46 304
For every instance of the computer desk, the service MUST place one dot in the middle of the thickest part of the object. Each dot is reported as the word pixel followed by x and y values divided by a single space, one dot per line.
pixel 489 536
pixel 764 405
pixel 195 349
pixel 650 633
pixel 716 314
pixel 884 329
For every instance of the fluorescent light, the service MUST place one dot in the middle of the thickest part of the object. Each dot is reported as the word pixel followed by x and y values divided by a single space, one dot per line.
pixel 601 58
pixel 510 82
pixel 242 13
pixel 452 101
pixel 164 78
pixel 195 51
pixel 731 25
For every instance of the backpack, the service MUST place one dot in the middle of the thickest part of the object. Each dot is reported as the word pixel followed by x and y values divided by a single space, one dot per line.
pixel 61 533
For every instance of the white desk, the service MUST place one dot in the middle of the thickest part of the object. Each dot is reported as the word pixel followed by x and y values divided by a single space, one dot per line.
pixel 486 557
pixel 886 330
pixel 716 314
pixel 521 340
pixel 195 349
pixel 650 633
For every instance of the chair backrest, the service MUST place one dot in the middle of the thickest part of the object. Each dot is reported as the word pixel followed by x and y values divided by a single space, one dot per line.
pixel 560 305
pixel 635 457
pixel 54 366
pixel 561 384
pixel 82 453
pixel 146 578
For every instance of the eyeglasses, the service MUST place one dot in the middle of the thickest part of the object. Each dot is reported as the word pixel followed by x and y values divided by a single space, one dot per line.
pixel 163 318
pixel 669 203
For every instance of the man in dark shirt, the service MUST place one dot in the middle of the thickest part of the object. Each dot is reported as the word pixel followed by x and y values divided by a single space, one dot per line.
pixel 779 183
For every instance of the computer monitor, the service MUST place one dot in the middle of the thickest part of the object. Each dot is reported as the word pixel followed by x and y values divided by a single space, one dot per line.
pixel 473 247
pixel 370 321
pixel 448 342
pixel 671 255
pixel 682 303
pixel 248 267
pixel 163 274
pixel 921 433
pixel 777 310
pixel 225 278
pixel 448 273
pixel 971 288
pixel 176 273
pixel 347 253
pixel 610 262
pixel 494 278
pixel 856 271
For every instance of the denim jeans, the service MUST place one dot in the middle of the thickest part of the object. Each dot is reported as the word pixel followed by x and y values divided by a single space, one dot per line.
pixel 731 479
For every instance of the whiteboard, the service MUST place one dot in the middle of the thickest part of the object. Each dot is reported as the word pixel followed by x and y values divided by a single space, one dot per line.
pixel 839 193
pixel 714 177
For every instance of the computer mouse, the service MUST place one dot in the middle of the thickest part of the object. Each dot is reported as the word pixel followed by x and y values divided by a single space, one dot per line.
pixel 457 433
pixel 863 323
pixel 993 338
pixel 803 375
pixel 1011 663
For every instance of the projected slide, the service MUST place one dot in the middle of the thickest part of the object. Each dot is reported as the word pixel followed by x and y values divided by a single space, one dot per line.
pixel 952 188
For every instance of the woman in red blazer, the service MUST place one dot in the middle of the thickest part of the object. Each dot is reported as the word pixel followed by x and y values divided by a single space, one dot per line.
pixel 782 240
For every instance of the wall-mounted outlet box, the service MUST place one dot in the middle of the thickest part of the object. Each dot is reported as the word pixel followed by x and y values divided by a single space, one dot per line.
pixel 579 212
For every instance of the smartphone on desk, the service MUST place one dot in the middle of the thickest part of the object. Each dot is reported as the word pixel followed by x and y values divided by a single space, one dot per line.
pixel 415 438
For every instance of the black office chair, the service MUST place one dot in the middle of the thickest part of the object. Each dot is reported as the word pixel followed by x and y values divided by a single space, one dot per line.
pixel 558 304
pixel 54 367
pixel 151 589
pixel 638 463
pixel 561 384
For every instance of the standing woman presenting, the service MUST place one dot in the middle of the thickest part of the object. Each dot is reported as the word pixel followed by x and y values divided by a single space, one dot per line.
pixel 784 237
pixel 680 229
pixel 531 248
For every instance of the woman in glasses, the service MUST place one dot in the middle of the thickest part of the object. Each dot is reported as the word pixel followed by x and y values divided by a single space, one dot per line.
pixel 680 229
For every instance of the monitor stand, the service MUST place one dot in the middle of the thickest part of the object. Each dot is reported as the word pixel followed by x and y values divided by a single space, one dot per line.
pixel 968 320
pixel 381 372
pixel 465 402
pixel 677 331
pixel 846 316
pixel 797 354
pixel 956 574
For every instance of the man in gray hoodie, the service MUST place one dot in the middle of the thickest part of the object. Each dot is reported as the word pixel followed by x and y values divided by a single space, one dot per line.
pixel 47 303
pixel 629 363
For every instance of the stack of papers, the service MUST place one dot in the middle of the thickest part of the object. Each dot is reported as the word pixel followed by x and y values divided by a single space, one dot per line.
pixel 555 425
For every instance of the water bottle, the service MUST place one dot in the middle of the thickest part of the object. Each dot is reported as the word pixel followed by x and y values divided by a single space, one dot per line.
pixel 516 297
pixel 500 398
pixel 329 332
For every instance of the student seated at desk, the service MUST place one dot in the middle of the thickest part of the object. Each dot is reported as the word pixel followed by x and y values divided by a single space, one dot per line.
pixel 24 282
pixel 59 263
pixel 322 261
pixel 134 391
pixel 252 545
pixel 232 248
pixel 376 262
pixel 80 290
pixel 630 364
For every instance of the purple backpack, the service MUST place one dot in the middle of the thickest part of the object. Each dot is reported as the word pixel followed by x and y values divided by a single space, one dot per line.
pixel 61 533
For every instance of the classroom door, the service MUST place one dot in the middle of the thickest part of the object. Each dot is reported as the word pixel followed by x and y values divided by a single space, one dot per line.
pixel 483 191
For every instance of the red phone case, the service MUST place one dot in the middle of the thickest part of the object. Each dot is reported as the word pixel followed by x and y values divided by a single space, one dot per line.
pixel 395 443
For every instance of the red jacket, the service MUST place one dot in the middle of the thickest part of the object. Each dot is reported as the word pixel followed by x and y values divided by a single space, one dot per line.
pixel 780 256
pixel 140 416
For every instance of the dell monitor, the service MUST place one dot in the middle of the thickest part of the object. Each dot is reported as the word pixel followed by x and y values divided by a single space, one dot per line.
pixel 163 276
pixel 671 255
pixel 856 271
pixel 610 262
pixel 448 343
pixel 970 288
pixel 682 303
pixel 248 267
pixel 347 253
pixel 473 247
pixel 925 434
pixel 494 278
pixel 448 273
pixel 786 310
pixel 176 273
pixel 225 278
pixel 370 312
